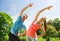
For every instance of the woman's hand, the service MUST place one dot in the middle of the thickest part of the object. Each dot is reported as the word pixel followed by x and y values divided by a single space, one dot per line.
pixel 49 7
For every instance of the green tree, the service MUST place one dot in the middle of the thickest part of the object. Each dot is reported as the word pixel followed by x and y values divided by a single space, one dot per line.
pixel 56 23
pixel 50 33
pixel 5 25
pixel 50 22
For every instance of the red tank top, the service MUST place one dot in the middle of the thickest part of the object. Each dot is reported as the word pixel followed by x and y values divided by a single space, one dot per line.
pixel 32 29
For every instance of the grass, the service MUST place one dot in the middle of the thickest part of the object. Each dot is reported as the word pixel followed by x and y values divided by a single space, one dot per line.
pixel 41 39
pixel 51 39
pixel 54 39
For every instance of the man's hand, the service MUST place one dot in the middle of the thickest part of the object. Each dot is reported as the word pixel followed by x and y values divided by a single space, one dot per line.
pixel 30 5
pixel 18 34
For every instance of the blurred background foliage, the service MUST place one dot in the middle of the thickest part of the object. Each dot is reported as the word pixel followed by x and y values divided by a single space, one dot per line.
pixel 52 32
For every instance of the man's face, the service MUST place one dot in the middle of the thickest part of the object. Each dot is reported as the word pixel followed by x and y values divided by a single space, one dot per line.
pixel 24 17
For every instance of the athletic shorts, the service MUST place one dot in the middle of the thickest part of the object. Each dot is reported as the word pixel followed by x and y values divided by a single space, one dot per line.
pixel 12 37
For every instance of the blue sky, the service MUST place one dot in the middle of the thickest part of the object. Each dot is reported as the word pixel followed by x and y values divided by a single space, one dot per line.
pixel 13 8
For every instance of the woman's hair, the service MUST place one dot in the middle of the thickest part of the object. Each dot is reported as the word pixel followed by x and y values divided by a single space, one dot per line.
pixel 45 25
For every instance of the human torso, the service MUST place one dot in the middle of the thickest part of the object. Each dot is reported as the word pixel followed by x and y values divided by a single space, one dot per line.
pixel 17 26
pixel 32 29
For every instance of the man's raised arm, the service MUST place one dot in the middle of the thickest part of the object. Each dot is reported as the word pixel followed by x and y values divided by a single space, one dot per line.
pixel 22 11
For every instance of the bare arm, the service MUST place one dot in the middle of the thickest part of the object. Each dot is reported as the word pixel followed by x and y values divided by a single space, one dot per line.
pixel 39 12
pixel 22 34
pixel 45 26
pixel 29 5
pixel 43 32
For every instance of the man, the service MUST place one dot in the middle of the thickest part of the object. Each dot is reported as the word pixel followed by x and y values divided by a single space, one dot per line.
pixel 13 35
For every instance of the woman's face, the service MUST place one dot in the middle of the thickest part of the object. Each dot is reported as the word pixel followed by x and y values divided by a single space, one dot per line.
pixel 41 20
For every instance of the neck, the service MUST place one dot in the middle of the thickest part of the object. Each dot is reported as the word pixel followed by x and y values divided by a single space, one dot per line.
pixel 22 20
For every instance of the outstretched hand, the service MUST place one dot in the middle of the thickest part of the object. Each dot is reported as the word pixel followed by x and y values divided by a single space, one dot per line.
pixel 30 5
pixel 49 7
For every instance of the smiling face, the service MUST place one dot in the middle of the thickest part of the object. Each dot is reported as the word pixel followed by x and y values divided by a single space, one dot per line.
pixel 24 17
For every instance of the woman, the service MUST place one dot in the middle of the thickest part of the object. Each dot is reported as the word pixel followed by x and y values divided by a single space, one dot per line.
pixel 35 25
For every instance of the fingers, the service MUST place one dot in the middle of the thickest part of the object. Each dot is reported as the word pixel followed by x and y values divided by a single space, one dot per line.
pixel 49 7
pixel 30 5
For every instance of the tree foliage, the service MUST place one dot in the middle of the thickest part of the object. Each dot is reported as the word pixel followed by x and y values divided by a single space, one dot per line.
pixel 5 25
pixel 56 23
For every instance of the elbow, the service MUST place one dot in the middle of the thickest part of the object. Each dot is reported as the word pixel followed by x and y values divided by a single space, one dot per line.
pixel 43 34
